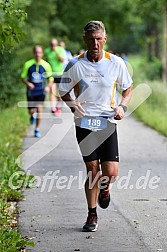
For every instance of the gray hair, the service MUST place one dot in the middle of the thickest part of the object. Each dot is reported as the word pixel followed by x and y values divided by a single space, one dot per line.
pixel 93 25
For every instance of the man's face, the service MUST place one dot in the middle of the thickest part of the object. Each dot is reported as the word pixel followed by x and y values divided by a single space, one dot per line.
pixel 38 53
pixel 95 42
pixel 53 44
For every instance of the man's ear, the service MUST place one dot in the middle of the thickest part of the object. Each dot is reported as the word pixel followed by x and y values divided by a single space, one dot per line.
pixel 105 39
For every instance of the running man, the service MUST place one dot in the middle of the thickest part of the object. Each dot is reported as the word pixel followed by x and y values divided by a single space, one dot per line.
pixel 34 75
pixel 68 55
pixel 55 55
pixel 94 77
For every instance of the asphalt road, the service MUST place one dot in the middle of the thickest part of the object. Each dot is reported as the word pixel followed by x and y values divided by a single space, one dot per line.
pixel 54 210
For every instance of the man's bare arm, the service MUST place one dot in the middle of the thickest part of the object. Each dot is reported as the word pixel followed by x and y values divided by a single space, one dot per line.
pixel 28 84
pixel 126 96
pixel 76 107
pixel 121 108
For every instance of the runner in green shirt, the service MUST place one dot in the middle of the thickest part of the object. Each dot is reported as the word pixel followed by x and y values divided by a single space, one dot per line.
pixel 55 55
pixel 35 74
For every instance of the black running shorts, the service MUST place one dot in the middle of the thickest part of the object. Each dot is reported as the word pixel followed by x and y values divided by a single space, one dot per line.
pixel 98 145
pixel 33 101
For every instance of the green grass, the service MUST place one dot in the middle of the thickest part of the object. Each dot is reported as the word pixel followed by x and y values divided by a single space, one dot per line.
pixel 153 112
pixel 13 124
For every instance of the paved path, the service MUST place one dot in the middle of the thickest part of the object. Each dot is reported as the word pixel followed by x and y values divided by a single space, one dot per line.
pixel 136 219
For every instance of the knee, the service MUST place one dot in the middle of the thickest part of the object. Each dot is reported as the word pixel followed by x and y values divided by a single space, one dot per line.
pixel 93 170
pixel 108 179
pixel 110 172
pixel 113 176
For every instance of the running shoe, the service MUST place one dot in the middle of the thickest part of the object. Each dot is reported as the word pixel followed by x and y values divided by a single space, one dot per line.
pixel 58 112
pixel 53 110
pixel 32 120
pixel 104 197
pixel 37 133
pixel 91 223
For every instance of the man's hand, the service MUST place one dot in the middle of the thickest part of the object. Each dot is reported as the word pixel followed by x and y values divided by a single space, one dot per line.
pixel 78 109
pixel 30 86
pixel 119 112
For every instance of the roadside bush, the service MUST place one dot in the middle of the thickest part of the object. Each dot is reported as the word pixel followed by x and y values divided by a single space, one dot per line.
pixel 10 84
pixel 153 112
pixel 152 69
pixel 13 124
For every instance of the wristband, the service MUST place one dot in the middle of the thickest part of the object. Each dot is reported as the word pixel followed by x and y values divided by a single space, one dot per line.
pixel 124 107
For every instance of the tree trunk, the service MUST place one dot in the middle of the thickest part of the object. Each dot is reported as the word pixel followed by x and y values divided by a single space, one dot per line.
pixel 149 51
pixel 157 47
pixel 157 42
pixel 164 55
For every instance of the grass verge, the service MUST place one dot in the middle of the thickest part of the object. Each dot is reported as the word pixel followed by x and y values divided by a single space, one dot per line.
pixel 13 124
pixel 153 112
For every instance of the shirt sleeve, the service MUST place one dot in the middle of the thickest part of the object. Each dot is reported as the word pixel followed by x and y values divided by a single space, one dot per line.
pixel 24 73
pixel 124 79
pixel 61 52
pixel 49 72
pixel 68 78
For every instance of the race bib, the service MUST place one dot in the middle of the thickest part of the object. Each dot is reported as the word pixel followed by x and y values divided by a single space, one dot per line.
pixel 93 122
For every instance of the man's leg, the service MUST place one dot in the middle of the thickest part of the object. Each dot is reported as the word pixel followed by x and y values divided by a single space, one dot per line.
pixel 39 113
pixel 110 170
pixel 91 184
pixel 38 119
pixel 59 100
pixel 31 111
pixel 109 175
pixel 53 97
pixel 92 190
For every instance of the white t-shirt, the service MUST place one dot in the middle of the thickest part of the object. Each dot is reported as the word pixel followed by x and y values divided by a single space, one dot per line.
pixel 96 83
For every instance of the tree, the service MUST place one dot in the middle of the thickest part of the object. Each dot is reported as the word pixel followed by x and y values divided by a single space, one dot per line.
pixel 150 14
pixel 12 17
pixel 164 54
pixel 38 21
pixel 12 20
pixel 71 17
